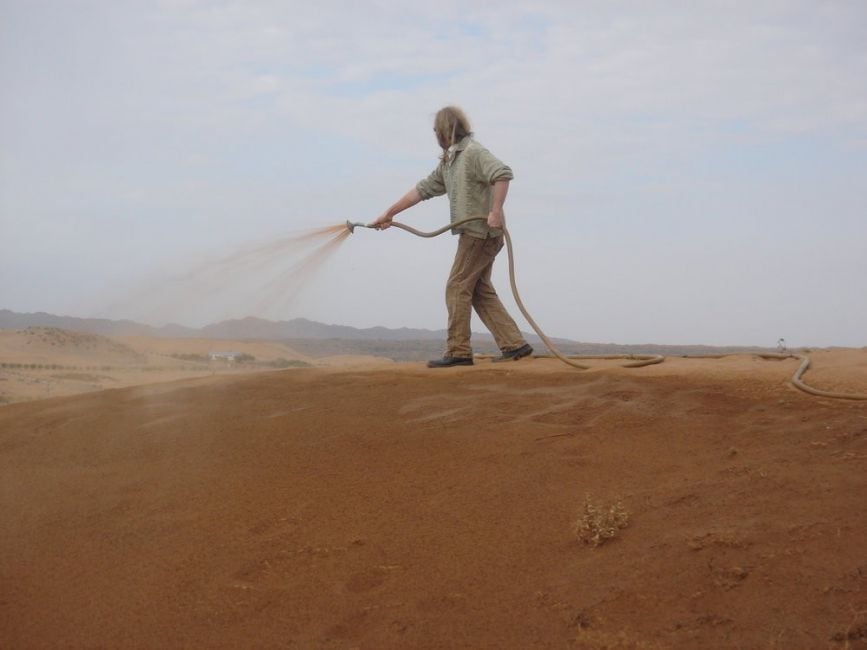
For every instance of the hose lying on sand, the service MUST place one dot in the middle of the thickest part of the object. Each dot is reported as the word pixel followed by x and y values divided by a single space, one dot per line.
pixel 636 360
pixel 797 382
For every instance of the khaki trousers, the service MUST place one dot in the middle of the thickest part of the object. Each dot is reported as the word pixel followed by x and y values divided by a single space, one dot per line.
pixel 469 287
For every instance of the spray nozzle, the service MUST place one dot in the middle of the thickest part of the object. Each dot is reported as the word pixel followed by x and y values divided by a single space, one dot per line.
pixel 351 226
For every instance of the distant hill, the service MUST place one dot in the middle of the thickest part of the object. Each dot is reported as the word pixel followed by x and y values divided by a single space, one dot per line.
pixel 102 326
pixel 235 329
pixel 245 328
pixel 302 328
pixel 314 338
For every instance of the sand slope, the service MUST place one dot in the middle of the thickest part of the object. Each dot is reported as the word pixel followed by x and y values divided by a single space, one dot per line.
pixel 65 347
pixel 40 362
pixel 407 508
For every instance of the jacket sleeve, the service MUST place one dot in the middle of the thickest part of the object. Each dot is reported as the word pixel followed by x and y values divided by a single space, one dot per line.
pixel 490 168
pixel 433 185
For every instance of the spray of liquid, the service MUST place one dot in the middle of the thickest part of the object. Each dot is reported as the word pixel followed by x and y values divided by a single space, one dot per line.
pixel 290 282
pixel 261 279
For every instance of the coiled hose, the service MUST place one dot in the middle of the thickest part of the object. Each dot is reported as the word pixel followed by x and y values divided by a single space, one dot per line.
pixel 636 360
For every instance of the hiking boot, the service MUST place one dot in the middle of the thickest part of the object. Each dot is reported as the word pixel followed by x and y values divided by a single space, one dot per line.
pixel 447 362
pixel 513 355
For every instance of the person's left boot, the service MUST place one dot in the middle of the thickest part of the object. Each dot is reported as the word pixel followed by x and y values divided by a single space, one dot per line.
pixel 513 355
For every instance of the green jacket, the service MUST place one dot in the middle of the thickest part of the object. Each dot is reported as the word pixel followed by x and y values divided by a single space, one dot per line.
pixel 467 176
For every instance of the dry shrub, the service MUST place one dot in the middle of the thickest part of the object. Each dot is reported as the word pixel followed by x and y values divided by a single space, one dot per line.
pixel 598 523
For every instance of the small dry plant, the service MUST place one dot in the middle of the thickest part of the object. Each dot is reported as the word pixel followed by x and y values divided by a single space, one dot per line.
pixel 598 523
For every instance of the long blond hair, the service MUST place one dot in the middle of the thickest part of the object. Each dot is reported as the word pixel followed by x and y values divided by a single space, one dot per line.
pixel 451 126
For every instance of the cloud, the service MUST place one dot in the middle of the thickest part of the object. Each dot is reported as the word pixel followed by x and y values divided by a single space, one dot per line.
pixel 199 124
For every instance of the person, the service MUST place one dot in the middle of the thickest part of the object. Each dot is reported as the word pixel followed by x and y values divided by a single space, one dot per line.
pixel 477 184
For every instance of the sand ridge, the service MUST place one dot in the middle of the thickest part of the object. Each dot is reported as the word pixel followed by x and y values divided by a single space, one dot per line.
pixel 403 507
pixel 42 362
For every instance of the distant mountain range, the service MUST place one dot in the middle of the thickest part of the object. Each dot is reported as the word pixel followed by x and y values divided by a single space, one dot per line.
pixel 317 339
pixel 103 326
pixel 238 329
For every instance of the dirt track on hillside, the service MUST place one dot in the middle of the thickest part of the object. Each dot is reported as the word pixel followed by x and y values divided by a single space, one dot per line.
pixel 408 508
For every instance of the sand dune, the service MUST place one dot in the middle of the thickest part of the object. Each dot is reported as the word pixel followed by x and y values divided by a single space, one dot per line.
pixel 404 508
pixel 40 362
pixel 58 346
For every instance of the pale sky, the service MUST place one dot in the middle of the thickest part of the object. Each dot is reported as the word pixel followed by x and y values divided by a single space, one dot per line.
pixel 685 172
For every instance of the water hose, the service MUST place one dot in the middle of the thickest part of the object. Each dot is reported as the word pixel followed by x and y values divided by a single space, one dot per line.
pixel 636 360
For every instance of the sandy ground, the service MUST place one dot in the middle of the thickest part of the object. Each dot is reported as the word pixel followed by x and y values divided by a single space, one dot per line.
pixel 400 507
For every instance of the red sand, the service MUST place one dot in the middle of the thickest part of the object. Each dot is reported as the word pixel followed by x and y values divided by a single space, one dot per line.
pixel 411 508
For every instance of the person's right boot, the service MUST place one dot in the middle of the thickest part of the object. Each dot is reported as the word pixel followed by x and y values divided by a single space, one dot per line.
pixel 448 362
pixel 513 355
